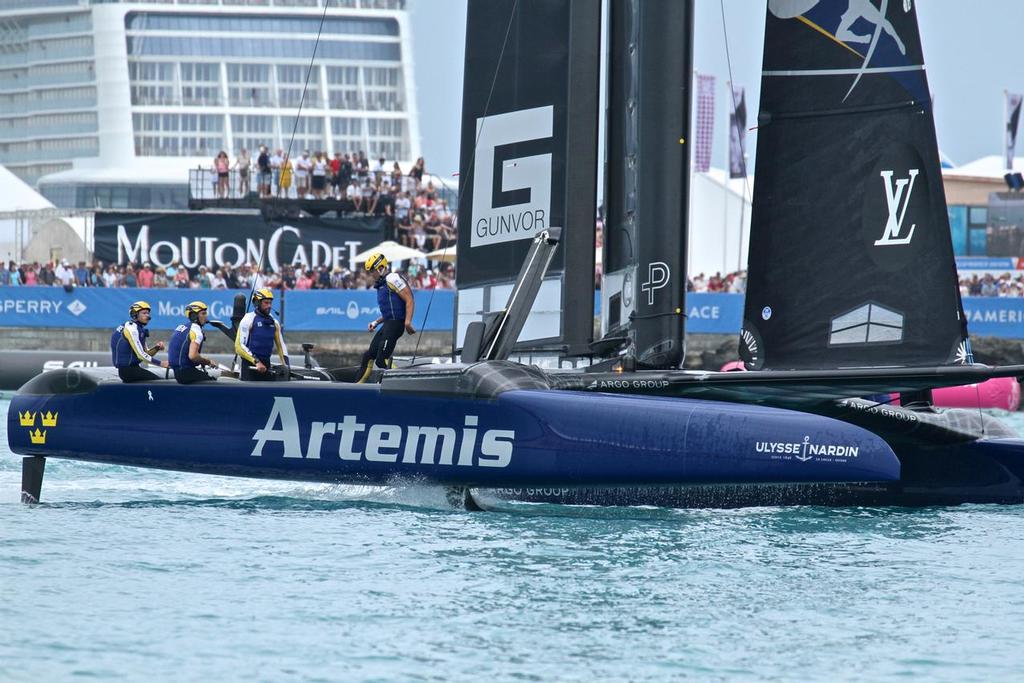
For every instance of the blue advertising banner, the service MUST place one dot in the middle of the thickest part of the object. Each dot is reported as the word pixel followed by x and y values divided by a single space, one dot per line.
pixel 986 263
pixel 995 317
pixel 713 313
pixel 315 310
pixel 101 307
pixel 350 310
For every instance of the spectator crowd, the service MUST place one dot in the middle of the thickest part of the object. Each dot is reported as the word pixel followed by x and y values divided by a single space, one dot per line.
pixel 99 274
pixel 733 283
pixel 419 216
pixel 1006 285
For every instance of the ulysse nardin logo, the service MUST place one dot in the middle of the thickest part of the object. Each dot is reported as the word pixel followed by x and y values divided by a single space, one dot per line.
pixel 512 195
pixel 387 443
pixel 658 275
pixel 897 205
pixel 806 450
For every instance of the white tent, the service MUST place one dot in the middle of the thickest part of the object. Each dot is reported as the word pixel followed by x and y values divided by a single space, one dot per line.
pixel 393 251
pixel 447 255
pixel 719 223
pixel 17 197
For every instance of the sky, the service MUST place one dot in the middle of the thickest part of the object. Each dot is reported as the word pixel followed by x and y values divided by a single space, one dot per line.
pixel 971 48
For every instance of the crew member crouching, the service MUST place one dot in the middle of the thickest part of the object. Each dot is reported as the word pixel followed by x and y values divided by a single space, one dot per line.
pixel 394 298
pixel 186 346
pixel 259 335
pixel 128 346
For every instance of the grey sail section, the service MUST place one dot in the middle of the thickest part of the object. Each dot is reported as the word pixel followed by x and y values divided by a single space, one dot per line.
pixel 528 163
pixel 647 190
pixel 851 261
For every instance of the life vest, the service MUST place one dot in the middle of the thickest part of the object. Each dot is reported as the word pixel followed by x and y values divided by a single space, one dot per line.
pixel 181 340
pixel 392 306
pixel 128 345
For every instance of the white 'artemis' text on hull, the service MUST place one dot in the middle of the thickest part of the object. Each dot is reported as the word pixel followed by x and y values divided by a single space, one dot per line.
pixel 387 443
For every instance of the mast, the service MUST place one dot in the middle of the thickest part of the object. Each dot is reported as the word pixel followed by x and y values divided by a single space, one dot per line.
pixel 647 178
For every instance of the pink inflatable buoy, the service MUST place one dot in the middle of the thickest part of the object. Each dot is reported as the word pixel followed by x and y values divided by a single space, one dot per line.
pixel 1002 393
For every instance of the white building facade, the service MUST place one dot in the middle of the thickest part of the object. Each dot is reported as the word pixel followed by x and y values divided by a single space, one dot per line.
pixel 108 103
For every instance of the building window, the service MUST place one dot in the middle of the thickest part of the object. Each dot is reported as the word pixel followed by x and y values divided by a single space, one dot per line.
pixel 152 83
pixel 291 79
pixel 252 131
pixel 343 88
pixel 178 134
pixel 383 88
pixel 387 139
pixel 200 83
pixel 309 133
pixel 347 135
pixel 248 85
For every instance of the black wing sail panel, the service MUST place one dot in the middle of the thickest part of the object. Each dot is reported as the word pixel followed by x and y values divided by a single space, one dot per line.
pixel 648 177
pixel 529 160
pixel 851 261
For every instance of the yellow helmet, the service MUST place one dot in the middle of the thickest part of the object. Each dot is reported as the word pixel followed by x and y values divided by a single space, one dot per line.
pixel 194 309
pixel 262 294
pixel 375 261
pixel 138 307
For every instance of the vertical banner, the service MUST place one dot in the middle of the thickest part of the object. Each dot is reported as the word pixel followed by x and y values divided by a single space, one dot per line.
pixel 738 133
pixel 1013 101
pixel 705 132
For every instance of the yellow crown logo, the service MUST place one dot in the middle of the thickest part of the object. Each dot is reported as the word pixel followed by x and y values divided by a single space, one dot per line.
pixel 37 436
pixel 50 419
pixel 27 419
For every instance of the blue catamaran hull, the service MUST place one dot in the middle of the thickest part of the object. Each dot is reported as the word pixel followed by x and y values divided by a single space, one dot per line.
pixel 333 432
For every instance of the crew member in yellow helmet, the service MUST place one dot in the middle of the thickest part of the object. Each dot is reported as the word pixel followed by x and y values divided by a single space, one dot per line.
pixel 394 298
pixel 186 346
pixel 259 335
pixel 128 346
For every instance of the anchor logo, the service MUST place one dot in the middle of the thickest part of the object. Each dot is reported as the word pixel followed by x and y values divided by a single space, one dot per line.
pixel 802 455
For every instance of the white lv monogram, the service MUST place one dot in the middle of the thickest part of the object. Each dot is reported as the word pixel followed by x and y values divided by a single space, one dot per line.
pixel 893 195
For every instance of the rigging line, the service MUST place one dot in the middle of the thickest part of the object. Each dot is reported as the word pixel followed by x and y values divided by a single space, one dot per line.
pixel 305 85
pixel 472 165
pixel 732 96
pixel 288 155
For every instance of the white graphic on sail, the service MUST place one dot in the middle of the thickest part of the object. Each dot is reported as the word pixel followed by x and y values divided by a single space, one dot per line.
pixel 897 206
pixel 856 10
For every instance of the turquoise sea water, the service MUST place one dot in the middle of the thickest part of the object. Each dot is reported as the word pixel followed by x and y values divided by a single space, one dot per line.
pixel 126 574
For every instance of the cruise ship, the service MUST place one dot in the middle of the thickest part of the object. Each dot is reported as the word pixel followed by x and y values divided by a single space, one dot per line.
pixel 108 104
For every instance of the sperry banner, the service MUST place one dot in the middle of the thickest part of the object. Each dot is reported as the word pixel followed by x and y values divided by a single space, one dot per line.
pixel 213 240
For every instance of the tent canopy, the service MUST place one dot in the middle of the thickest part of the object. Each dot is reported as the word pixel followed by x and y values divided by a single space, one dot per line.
pixel 447 255
pixel 393 251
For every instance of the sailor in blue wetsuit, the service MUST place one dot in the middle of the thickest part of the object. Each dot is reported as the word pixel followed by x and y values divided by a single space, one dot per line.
pixel 185 348
pixel 259 335
pixel 394 298
pixel 128 346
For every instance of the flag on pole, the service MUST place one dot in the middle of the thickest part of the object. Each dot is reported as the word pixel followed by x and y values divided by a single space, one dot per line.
pixel 738 133
pixel 705 122
pixel 1013 101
